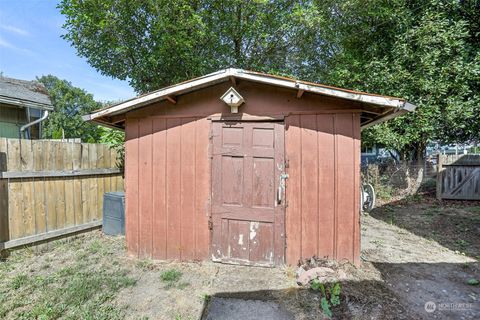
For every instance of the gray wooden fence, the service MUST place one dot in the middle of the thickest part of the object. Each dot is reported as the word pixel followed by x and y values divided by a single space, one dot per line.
pixel 458 177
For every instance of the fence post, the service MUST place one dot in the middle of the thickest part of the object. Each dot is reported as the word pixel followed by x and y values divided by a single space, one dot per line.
pixel 439 176
pixel 4 231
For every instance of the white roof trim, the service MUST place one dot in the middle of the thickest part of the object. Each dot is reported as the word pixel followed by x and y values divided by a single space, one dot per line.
pixel 224 75
pixel 25 103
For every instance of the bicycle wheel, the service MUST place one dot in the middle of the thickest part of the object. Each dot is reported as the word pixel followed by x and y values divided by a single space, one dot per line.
pixel 368 197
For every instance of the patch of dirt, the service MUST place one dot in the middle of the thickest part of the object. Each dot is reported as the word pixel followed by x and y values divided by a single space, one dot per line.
pixel 420 261
pixel 150 297
pixel 455 225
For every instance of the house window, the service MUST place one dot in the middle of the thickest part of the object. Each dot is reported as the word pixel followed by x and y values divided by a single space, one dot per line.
pixel 369 150
pixel 35 130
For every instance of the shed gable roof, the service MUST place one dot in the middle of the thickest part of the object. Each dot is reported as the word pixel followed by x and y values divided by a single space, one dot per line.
pixel 392 106
pixel 24 93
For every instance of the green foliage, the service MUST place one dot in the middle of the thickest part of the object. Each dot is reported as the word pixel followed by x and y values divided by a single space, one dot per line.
pixel 426 51
pixel 423 51
pixel 115 139
pixel 19 281
pixel 72 292
pixel 70 103
pixel 473 282
pixel 326 307
pixel 154 43
pixel 171 275
pixel 330 296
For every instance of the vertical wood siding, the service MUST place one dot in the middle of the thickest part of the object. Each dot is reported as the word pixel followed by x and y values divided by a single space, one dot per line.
pixel 168 169
pixel 167 187
pixel 323 185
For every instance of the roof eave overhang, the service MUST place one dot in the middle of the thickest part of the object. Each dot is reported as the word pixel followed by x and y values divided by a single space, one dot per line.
pixel 396 106
pixel 25 103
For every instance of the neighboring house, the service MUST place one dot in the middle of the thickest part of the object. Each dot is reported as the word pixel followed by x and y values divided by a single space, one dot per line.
pixel 377 154
pixel 369 154
pixel 23 107
pixel 245 168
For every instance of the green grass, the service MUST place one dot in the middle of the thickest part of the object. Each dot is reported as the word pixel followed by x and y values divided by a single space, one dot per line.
pixel 462 244
pixel 171 275
pixel 473 209
pixel 171 279
pixel 67 288
pixel 384 192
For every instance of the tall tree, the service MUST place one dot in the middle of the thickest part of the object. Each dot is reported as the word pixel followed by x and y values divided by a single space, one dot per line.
pixel 70 103
pixel 426 51
pixel 154 43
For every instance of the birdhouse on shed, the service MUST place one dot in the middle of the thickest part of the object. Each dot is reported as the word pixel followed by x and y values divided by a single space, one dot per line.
pixel 233 99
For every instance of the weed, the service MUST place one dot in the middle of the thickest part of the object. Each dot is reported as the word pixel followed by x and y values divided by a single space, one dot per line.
pixel 378 242
pixel 431 212
pixel 414 198
pixel 81 255
pixel 19 281
pixel 289 272
pixel 384 192
pixel 330 296
pixel 181 317
pixel 391 219
pixel 171 278
pixel 388 209
pixel 474 210
pixel 206 297
pixel 95 246
pixel 462 244
pixel 473 282
pixel 171 275
pixel 145 264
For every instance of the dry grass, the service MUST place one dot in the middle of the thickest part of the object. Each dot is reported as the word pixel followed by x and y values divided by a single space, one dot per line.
pixel 75 279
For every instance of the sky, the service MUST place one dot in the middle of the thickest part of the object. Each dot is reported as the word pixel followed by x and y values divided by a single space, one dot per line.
pixel 31 46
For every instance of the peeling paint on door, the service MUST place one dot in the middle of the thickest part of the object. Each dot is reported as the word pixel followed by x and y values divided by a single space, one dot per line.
pixel 245 213
pixel 253 229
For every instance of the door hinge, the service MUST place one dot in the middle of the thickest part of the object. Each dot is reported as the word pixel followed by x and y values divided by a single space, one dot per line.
pixel 210 224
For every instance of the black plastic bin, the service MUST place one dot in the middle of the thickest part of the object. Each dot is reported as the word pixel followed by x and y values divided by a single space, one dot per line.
pixel 114 213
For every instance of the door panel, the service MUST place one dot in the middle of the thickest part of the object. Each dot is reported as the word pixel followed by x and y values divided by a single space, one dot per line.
pixel 247 218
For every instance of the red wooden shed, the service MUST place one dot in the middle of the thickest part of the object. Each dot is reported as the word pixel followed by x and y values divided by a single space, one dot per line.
pixel 246 168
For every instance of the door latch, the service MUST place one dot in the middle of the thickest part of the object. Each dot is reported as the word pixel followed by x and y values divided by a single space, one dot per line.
pixel 281 187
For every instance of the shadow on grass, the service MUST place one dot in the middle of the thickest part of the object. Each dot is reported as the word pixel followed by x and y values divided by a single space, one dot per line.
pixel 453 224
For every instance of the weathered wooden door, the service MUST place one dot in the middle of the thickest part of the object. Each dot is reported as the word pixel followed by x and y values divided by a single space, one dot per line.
pixel 247 195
